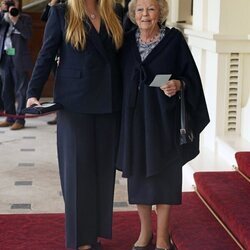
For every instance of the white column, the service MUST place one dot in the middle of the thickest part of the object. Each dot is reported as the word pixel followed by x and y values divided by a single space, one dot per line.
pixel 173 11
pixel 220 41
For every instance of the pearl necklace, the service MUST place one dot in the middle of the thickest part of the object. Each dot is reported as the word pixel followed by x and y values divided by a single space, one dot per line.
pixel 154 38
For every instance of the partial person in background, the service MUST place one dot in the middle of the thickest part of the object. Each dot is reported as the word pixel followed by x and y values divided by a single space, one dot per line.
pixel 15 61
pixel 123 6
pixel 127 23
pixel 126 2
pixel 1 100
pixel 45 14
pixel 44 18
pixel 150 153
pixel 1 86
pixel 88 35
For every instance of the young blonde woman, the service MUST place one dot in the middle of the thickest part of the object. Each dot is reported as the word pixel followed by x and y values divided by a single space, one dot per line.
pixel 87 34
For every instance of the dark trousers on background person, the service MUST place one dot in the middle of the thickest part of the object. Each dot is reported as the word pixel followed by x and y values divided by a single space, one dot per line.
pixel 1 100
pixel 86 154
pixel 14 88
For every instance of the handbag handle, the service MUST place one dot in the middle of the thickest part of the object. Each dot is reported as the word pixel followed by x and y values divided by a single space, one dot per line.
pixel 183 110
pixel 186 132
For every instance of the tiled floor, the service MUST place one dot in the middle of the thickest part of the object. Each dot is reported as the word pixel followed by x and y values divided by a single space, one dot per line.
pixel 29 172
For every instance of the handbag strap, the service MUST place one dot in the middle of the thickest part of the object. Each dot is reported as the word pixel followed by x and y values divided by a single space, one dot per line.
pixel 183 109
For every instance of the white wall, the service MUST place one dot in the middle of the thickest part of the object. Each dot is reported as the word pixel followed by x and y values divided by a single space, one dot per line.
pixel 245 115
pixel 235 17
pixel 219 38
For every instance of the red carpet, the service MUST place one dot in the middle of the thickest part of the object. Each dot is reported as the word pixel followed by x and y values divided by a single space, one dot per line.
pixel 193 227
pixel 46 232
pixel 243 161
pixel 228 193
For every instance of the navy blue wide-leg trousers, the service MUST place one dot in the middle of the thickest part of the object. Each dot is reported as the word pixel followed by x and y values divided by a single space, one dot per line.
pixel 86 152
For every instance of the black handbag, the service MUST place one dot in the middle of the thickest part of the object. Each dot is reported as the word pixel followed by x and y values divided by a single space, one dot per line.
pixel 186 132
pixel 45 107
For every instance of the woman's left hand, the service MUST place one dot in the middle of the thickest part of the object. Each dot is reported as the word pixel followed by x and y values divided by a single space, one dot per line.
pixel 171 87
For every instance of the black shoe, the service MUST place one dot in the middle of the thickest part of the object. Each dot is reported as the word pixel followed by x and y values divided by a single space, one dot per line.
pixel 149 246
pixel 97 246
pixel 170 248
pixel 52 122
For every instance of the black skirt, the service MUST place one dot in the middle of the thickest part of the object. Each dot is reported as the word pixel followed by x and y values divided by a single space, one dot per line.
pixel 163 188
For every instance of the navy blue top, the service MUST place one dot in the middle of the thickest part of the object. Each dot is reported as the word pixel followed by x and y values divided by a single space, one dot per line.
pixel 87 81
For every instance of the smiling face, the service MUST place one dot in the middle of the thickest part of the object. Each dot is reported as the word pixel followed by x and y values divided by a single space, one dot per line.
pixel 147 15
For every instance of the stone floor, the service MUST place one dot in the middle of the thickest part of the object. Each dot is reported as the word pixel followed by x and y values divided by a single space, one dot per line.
pixel 29 171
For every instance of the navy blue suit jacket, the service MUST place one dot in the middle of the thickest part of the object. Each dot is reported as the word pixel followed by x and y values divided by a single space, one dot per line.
pixel 87 81
pixel 22 58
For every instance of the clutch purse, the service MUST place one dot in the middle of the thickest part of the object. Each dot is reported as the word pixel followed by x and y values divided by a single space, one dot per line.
pixel 45 107
pixel 186 132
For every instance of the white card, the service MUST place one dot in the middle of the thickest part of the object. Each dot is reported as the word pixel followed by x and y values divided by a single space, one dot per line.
pixel 47 104
pixel 160 80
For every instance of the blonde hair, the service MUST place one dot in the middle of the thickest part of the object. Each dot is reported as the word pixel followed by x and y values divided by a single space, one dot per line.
pixel 76 14
pixel 163 6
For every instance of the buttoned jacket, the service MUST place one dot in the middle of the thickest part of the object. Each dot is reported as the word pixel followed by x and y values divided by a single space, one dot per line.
pixel 87 81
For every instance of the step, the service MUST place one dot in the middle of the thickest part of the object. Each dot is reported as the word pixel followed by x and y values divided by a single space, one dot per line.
pixel 228 194
pixel 193 227
pixel 243 162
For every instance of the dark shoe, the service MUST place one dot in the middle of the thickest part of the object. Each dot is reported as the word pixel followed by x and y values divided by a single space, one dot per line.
pixel 6 124
pixel 170 248
pixel 52 122
pixel 86 248
pixel 17 126
pixel 97 246
pixel 149 246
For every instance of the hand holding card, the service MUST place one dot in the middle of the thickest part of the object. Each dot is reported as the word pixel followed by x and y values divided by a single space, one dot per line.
pixel 160 80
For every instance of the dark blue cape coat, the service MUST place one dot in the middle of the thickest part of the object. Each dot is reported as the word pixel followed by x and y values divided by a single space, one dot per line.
pixel 149 139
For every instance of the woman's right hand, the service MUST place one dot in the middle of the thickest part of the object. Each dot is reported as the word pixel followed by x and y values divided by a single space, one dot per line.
pixel 171 87
pixel 32 101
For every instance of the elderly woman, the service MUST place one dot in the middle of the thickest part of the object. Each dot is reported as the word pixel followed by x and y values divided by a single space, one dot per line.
pixel 150 154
